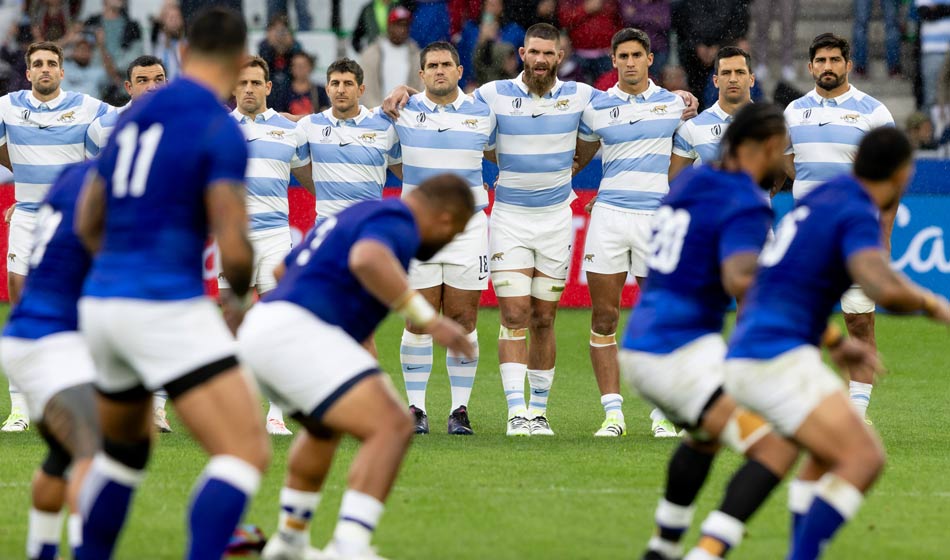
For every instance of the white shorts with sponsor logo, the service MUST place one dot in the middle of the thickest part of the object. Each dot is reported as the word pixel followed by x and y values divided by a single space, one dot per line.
pixel 20 241
pixel 537 240
pixel 679 383
pixel 152 343
pixel 270 249
pixel 462 264
pixel 43 367
pixel 785 389
pixel 855 301
pixel 617 241
pixel 301 363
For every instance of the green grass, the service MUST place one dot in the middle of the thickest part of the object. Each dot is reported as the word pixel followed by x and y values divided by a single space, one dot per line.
pixel 570 496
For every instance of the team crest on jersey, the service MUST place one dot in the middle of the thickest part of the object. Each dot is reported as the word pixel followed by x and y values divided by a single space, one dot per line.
pixel 498 257
pixel 659 110
pixel 368 137
pixel 67 117
pixel 278 134
pixel 470 123
pixel 563 104
pixel 851 118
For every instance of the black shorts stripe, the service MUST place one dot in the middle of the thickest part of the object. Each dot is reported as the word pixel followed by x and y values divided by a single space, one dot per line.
pixel 712 400
pixel 322 408
pixel 199 376
pixel 136 393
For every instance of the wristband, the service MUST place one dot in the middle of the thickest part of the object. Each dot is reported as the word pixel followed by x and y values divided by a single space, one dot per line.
pixel 415 309
pixel 832 337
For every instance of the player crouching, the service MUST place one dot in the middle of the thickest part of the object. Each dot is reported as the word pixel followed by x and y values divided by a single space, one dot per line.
pixel 303 343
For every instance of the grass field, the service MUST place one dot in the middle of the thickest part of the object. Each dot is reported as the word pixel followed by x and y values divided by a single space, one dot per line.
pixel 565 497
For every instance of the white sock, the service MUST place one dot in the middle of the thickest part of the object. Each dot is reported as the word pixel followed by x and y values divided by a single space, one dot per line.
pixel 17 401
pixel 657 415
pixel 74 530
pixel 840 494
pixel 540 381
pixel 860 396
pixel 512 379
pixel 159 398
pixel 44 530
pixel 296 512
pixel 359 516
pixel 275 412
pixel 613 404
pixel 800 495
pixel 415 354
pixel 462 373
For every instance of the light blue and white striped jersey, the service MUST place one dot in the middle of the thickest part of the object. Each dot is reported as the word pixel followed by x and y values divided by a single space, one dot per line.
pixel 101 129
pixel 934 35
pixel 698 139
pixel 43 137
pixel 440 139
pixel 637 136
pixel 350 157
pixel 825 134
pixel 535 142
pixel 275 145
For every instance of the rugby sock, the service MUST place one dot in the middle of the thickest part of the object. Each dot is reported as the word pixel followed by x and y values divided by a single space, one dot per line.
pixel 415 354
pixel 672 521
pixel 512 379
pixel 218 501
pixel 17 401
pixel 686 473
pixel 462 373
pixel 74 532
pixel 720 533
pixel 657 415
pixel 159 398
pixel 540 381
pixel 836 501
pixel 275 412
pixel 860 396
pixel 359 515
pixel 613 404
pixel 800 495
pixel 104 503
pixel 296 511
pixel 42 537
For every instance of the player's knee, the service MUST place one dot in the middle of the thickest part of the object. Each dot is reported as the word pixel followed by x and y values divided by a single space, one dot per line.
pixel 132 454
pixel 57 461
pixel 604 319
pixel 516 316
pixel 542 319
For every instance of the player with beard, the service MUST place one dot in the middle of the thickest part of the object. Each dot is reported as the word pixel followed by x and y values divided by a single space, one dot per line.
pixel 42 130
pixel 826 126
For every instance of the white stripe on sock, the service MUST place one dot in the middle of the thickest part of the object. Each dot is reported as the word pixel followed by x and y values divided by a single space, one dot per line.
pixel 235 471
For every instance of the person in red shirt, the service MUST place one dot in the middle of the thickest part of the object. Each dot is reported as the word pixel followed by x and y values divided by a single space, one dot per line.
pixel 590 24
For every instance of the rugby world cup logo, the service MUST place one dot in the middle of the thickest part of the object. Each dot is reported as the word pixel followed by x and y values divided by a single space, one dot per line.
pixel 325 133
pixel 614 115
pixel 717 130
pixel 516 106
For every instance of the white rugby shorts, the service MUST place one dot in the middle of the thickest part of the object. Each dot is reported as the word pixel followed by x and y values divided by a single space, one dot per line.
pixel 538 240
pixel 270 249
pixel 462 264
pixel 617 241
pixel 20 241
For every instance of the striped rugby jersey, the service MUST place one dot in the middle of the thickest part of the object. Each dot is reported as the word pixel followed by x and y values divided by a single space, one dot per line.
pixel 101 129
pixel 275 145
pixel 637 136
pixel 934 35
pixel 350 157
pixel 535 141
pixel 825 134
pixel 44 137
pixel 439 139
pixel 698 139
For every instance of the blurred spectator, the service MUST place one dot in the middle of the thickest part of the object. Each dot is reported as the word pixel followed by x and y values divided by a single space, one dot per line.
pixel 483 41
pixel 934 30
pixel 920 132
pixel 12 56
pixel 306 97
pixel 787 12
pixel 277 49
pixel 279 8
pixel 673 78
pixel 460 13
pixel 892 36
pixel 591 24
pixel 167 33
pixel 495 61
pixel 390 60
pixel 51 20
pixel 80 74
pixel 569 70
pixel 430 21
pixel 371 23
pixel 653 17
pixel 702 26
pixel 529 12
pixel 120 40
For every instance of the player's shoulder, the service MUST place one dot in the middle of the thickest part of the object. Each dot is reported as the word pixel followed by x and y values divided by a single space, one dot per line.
pixel 604 100
pixel 663 95
pixel 279 121
pixel 375 119
pixel 804 102
pixel 508 88
pixel 579 89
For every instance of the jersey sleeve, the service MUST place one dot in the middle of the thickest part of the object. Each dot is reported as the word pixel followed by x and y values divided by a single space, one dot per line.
pixel 859 230
pixel 881 117
pixel 301 155
pixel 3 125
pixel 744 231
pixel 493 134
pixel 683 143
pixel 394 149
pixel 93 138
pixel 395 231
pixel 790 122
pixel 485 93
pixel 227 153
pixel 585 130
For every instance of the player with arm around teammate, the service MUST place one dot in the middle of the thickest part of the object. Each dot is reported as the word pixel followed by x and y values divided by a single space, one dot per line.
pixel 829 241
pixel 339 284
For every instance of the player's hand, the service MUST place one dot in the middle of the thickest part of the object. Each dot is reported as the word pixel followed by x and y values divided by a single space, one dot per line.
pixel 590 205
pixel 395 101
pixel 852 354
pixel 692 104
pixel 8 215
pixel 450 334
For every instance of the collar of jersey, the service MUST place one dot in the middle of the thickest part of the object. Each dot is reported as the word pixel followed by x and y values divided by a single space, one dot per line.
pixel 838 100
pixel 364 112
pixel 717 110
pixel 519 81
pixel 651 90
pixel 52 104
pixel 261 118
pixel 457 104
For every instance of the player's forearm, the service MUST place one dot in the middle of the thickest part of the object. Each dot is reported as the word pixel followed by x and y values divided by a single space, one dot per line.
pixel 677 165
pixel 237 261
pixel 886 287
pixel 90 215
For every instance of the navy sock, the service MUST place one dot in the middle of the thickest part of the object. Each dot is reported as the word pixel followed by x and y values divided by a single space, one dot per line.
pixel 222 493
pixel 104 503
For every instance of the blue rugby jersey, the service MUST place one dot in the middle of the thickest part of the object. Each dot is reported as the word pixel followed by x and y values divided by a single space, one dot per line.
pixel 708 216
pixel 803 271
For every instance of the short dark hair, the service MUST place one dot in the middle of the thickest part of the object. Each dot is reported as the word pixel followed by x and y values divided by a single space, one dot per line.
pixel 448 192
pixel 755 122
pixel 544 31
pixel 345 65
pixel 142 61
pixel 438 46
pixel 628 34
pixel 829 41
pixel 44 46
pixel 882 151
pixel 730 52
pixel 217 31
pixel 310 58
pixel 256 61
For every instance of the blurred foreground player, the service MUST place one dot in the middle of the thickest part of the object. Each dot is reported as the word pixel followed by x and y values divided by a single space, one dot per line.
pixel 171 174
pixel 831 240
pixel 44 354
pixel 339 284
